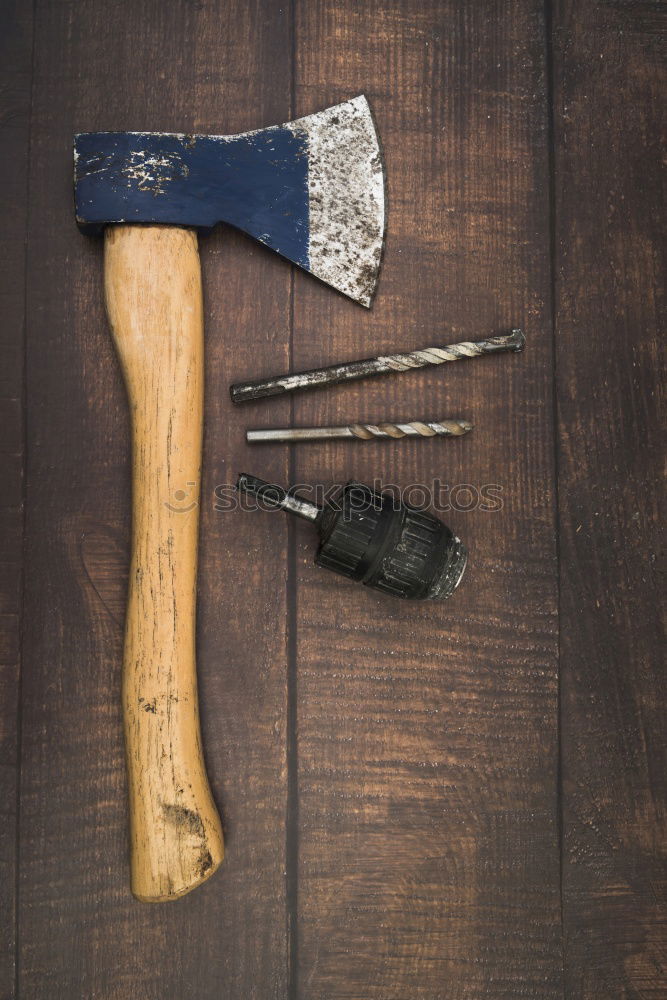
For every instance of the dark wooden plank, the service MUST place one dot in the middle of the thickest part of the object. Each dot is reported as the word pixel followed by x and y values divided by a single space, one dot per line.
pixel 15 60
pixel 148 65
pixel 427 734
pixel 609 126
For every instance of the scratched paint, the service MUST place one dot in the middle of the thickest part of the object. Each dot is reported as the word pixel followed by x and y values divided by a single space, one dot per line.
pixel 257 182
pixel 154 173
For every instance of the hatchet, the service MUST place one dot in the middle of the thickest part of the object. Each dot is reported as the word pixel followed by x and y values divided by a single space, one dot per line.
pixel 313 191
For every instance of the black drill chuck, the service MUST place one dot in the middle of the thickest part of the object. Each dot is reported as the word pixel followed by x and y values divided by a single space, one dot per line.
pixel 376 539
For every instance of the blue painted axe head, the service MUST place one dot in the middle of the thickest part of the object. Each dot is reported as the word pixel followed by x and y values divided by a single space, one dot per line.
pixel 312 190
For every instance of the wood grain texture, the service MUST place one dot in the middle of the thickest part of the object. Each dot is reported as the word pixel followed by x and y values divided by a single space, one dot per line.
pixel 387 773
pixel 610 83
pixel 212 68
pixel 154 302
pixel 427 733
pixel 15 87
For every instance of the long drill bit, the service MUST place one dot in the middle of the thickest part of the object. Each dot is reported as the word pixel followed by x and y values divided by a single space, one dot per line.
pixel 362 432
pixel 245 391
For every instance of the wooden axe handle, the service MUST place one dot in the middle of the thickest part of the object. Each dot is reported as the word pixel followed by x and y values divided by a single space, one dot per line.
pixel 154 303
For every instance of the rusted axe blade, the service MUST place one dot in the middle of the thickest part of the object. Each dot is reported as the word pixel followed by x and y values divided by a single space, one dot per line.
pixel 312 189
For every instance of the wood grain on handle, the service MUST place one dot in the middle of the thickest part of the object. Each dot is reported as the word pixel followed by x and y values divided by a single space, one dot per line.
pixel 154 303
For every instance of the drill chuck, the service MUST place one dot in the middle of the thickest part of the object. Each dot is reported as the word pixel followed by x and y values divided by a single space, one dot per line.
pixel 376 539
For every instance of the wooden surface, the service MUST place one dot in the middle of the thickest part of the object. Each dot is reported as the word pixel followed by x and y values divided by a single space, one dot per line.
pixel 15 58
pixel 609 82
pixel 463 800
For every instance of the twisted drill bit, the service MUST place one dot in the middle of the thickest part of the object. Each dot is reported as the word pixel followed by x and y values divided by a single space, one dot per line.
pixel 245 391
pixel 362 432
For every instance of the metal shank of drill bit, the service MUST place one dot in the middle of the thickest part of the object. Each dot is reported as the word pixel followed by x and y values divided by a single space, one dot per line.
pixel 352 370
pixel 276 497
pixel 361 432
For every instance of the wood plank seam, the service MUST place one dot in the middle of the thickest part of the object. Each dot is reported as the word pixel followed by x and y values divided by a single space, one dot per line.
pixel 551 140
pixel 18 64
pixel 292 749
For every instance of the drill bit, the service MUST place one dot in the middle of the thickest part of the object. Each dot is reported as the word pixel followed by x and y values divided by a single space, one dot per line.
pixel 246 391
pixel 362 432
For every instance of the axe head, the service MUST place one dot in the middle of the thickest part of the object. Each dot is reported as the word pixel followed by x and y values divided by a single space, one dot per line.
pixel 312 190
